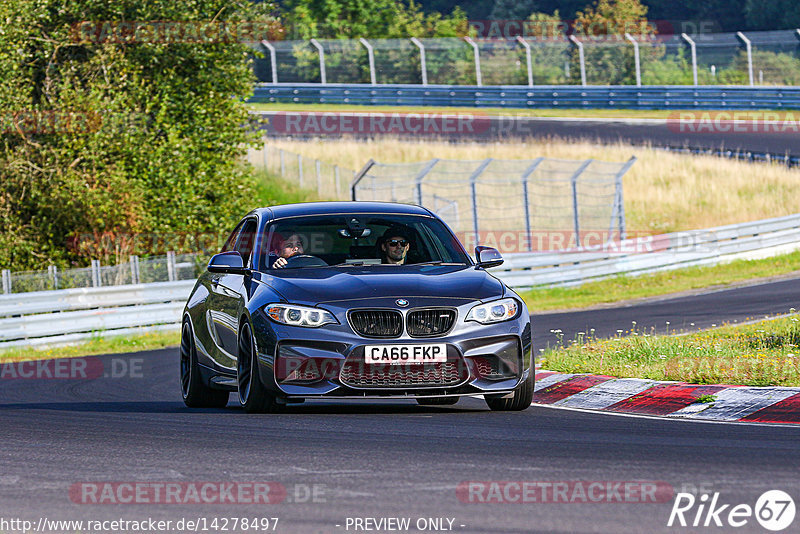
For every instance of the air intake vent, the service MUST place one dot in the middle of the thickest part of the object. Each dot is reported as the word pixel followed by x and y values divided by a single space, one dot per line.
pixel 430 322
pixel 377 323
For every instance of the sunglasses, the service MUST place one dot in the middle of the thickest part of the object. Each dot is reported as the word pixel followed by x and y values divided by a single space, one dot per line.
pixel 397 243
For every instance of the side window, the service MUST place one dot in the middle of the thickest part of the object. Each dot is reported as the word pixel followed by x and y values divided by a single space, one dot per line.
pixel 246 241
pixel 231 241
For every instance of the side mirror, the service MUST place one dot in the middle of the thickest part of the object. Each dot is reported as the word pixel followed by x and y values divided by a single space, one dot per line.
pixel 227 262
pixel 487 257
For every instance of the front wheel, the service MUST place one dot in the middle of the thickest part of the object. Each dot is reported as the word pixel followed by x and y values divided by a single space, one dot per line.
pixel 196 394
pixel 521 399
pixel 253 396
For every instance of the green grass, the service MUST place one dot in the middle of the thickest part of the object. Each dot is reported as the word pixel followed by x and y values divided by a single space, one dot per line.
pixel 589 113
pixel 766 353
pixel 100 344
pixel 623 288
pixel 272 190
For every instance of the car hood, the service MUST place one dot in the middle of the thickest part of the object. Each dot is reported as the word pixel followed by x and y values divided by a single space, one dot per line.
pixel 312 286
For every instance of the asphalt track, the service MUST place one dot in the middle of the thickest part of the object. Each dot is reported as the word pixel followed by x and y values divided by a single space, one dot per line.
pixel 386 459
pixel 779 137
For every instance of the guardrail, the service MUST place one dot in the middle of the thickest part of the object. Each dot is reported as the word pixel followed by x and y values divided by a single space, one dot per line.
pixel 67 315
pixel 655 253
pixel 542 96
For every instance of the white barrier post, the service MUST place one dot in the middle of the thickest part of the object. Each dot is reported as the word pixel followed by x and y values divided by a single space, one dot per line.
pixel 322 77
pixel 371 57
pixel 635 58
pixel 422 64
pixel 272 60
pixel 694 55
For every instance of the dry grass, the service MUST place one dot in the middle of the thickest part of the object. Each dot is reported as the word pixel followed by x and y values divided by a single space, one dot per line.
pixel 664 192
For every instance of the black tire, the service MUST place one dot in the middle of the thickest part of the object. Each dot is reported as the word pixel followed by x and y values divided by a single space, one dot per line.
pixel 438 401
pixel 253 396
pixel 195 392
pixel 523 396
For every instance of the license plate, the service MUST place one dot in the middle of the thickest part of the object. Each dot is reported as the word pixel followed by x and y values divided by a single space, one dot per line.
pixel 406 354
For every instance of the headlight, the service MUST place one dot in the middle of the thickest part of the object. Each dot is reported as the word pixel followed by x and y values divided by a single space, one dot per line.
pixel 299 315
pixel 494 312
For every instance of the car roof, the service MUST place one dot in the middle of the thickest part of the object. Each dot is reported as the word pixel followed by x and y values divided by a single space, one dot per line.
pixel 326 208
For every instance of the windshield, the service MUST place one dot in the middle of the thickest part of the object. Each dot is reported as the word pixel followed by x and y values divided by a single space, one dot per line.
pixel 358 239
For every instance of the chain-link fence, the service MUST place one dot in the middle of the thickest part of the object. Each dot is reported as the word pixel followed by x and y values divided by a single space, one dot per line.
pixel 166 268
pixel 330 182
pixel 752 58
pixel 514 205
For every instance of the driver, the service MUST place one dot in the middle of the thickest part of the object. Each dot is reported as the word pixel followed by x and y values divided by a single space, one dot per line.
pixel 285 248
pixel 394 245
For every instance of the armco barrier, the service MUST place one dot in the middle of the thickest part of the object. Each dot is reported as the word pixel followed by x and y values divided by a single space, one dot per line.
pixel 543 96
pixel 67 315
pixel 672 251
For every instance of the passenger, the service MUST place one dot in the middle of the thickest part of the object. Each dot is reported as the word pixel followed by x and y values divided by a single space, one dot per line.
pixel 286 248
pixel 394 245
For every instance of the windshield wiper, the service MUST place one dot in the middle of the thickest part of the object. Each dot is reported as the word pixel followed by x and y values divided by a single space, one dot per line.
pixel 436 262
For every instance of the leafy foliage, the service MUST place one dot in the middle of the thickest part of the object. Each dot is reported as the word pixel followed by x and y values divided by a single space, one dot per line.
pixel 155 142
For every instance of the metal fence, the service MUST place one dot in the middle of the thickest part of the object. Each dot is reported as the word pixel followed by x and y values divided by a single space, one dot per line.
pixel 167 268
pixel 478 199
pixel 330 182
pixel 752 58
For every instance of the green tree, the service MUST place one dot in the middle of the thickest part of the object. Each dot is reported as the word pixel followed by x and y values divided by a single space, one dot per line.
pixel 772 15
pixel 608 55
pixel 106 133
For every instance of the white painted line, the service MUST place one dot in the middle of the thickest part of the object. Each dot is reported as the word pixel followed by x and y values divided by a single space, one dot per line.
pixel 662 418
pixel 605 394
pixel 550 380
pixel 734 403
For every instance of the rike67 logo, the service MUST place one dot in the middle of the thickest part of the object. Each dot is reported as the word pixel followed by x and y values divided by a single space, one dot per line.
pixel 774 510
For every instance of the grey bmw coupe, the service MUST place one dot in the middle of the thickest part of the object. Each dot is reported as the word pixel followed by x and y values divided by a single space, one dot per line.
pixel 352 300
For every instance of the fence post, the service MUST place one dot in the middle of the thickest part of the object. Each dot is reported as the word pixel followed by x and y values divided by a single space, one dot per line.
pixel 635 58
pixel 322 77
pixel 526 202
pixel 619 205
pixel 300 169
pixel 171 271
pixel 371 57
pixel 6 281
pixel 96 278
pixel 477 55
pixel 528 61
pixel 580 58
pixel 574 183
pixel 423 66
pixel 134 269
pixel 749 48
pixel 357 176
pixel 473 182
pixel 272 60
pixel 319 176
pixel 418 180
pixel 694 55
pixel 283 162
pixel 52 274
